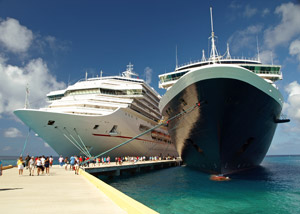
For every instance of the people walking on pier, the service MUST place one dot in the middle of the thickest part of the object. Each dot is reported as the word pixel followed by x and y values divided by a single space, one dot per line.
pixel 39 166
pixel 51 161
pixel 66 162
pixel 27 161
pixel 20 165
pixel 61 161
pixel 47 165
pixel 43 163
pixel 72 162
pixel 31 166
pixel 76 165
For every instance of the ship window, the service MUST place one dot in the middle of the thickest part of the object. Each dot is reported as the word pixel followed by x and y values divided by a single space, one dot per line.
pixel 51 122
pixel 183 102
pixel 96 127
pixel 114 129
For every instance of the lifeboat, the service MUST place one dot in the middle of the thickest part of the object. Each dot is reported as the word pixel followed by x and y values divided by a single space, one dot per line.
pixel 219 178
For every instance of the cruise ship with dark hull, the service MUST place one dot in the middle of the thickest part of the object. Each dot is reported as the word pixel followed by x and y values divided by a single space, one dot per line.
pixel 238 107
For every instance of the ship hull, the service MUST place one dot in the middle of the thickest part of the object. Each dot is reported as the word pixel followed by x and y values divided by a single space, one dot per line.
pixel 70 134
pixel 233 127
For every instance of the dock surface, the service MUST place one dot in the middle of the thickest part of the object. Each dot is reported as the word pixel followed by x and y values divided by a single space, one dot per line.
pixel 61 192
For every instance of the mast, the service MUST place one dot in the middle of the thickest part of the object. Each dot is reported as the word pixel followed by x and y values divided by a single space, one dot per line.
pixel 203 56
pixel 129 71
pixel 176 58
pixel 228 56
pixel 26 97
pixel 213 52
pixel 258 58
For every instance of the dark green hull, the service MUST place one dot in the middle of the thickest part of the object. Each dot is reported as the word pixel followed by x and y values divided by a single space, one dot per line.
pixel 233 128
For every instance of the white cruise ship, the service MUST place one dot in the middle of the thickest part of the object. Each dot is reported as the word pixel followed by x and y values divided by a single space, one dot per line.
pixel 97 114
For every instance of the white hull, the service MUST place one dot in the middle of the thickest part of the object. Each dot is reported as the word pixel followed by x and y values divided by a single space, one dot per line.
pixel 68 128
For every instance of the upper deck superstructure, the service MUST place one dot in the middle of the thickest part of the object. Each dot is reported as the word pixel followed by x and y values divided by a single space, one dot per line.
pixel 103 95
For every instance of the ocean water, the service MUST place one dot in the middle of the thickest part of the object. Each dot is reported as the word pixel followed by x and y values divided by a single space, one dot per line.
pixel 272 188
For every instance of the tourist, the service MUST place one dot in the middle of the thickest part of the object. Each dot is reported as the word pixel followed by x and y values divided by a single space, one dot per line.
pixel 76 165
pixel 61 161
pixel 43 163
pixel 0 167
pixel 27 161
pixel 20 165
pixel 31 166
pixel 51 161
pixel 39 166
pixel 66 161
pixel 47 165
pixel 72 163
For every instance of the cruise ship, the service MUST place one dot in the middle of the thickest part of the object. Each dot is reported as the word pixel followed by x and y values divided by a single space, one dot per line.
pixel 97 114
pixel 232 110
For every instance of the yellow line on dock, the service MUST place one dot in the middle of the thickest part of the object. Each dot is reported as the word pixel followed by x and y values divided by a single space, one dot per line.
pixel 125 202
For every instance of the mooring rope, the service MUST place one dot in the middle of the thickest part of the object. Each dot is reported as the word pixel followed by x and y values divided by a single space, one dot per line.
pixel 143 133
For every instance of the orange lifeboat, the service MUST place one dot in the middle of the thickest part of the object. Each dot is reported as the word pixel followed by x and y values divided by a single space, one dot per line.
pixel 219 178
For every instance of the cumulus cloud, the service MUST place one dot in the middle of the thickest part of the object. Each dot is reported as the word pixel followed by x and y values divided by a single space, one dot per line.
pixel 267 56
pixel 292 107
pixel 14 80
pixel 245 38
pixel 148 73
pixel 288 27
pixel 265 12
pixel 295 49
pixel 15 37
pixel 249 11
pixel 12 133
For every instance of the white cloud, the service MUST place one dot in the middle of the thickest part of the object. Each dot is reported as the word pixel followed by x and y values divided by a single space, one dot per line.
pixel 148 73
pixel 12 133
pixel 15 37
pixel 265 12
pixel 295 49
pixel 245 38
pixel 14 80
pixel 287 29
pixel 249 11
pixel 292 107
pixel 267 57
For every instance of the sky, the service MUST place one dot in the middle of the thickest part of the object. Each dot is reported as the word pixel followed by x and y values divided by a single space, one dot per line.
pixel 48 45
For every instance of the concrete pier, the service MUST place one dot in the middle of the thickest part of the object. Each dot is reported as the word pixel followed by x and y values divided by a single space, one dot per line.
pixel 62 192
pixel 115 170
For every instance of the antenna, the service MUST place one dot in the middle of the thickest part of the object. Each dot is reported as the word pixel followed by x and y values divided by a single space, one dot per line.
pixel 176 58
pixel 101 72
pixel 86 75
pixel 258 58
pixel 203 56
pixel 213 52
pixel 26 97
pixel 228 56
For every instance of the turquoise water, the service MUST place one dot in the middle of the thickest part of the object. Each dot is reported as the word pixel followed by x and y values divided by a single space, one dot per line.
pixel 272 188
